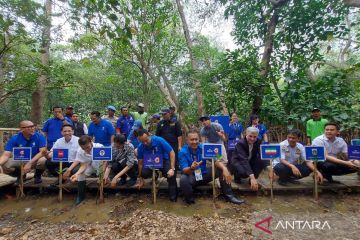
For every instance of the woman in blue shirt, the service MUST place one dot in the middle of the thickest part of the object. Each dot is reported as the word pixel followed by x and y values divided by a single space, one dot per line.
pixel 235 133
pixel 254 122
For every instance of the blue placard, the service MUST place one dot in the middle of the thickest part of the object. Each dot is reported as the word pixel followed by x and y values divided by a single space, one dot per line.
pixel 153 161
pixel 354 152
pixel 270 151
pixel 232 143
pixel 22 153
pixel 211 151
pixel 223 121
pixel 60 155
pixel 315 153
pixel 355 142
pixel 102 154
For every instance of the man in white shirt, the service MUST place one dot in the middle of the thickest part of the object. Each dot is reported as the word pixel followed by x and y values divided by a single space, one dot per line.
pixel 87 166
pixel 336 154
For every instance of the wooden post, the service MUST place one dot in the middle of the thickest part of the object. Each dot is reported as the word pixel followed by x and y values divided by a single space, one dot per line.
pixel 316 194
pixel 271 181
pixel 60 181
pixel 154 186
pixel 213 178
pixel 21 182
pixel 101 187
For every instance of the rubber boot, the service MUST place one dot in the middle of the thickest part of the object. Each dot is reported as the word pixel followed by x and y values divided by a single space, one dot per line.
pixel 81 192
pixel 37 176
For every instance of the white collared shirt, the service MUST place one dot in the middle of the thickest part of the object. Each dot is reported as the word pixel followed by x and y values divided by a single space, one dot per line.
pixel 332 148
pixel 72 145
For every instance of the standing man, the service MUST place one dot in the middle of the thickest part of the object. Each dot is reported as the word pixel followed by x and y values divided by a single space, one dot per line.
pixel 194 171
pixel 246 161
pixel 69 111
pixel 336 154
pixel 102 130
pixel 292 164
pixel 173 116
pixel 212 133
pixel 27 137
pixel 315 126
pixel 125 122
pixel 52 127
pixel 171 132
pixel 154 121
pixel 141 115
pixel 154 145
pixel 111 115
pixel 80 128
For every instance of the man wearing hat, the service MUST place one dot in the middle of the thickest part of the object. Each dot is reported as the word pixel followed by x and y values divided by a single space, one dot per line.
pixel 154 121
pixel 69 111
pixel 141 115
pixel 171 132
pixel 315 126
pixel 111 115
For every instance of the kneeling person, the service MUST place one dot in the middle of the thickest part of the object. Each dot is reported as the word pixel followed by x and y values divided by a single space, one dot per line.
pixel 292 164
pixel 124 162
pixel 195 172
pixel 87 166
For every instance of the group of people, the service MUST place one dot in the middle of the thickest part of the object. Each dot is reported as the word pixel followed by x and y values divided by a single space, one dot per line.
pixel 134 138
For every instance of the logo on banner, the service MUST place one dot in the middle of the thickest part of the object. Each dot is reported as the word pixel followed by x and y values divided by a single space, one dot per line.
pixel 270 151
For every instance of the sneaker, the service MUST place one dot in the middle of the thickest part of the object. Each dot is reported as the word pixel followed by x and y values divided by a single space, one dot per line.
pixel 122 181
pixel 294 181
pixel 37 180
pixel 131 182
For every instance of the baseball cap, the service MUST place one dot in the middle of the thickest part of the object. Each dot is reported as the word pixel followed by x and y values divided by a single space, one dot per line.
pixel 315 109
pixel 156 116
pixel 165 110
pixel 203 118
pixel 112 108
pixel 141 105
pixel 137 125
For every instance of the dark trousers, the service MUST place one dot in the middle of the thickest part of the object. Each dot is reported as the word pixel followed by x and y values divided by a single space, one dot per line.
pixel 328 169
pixel 188 183
pixel 172 185
pixel 175 147
pixel 53 167
pixel 256 166
pixel 117 167
pixel 284 172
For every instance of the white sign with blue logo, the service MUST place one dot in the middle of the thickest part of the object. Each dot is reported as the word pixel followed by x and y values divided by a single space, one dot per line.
pixel 270 151
pixel 223 121
pixel 355 142
pixel 211 151
pixel 153 161
pixel 102 154
pixel 60 155
pixel 354 152
pixel 22 153
pixel 315 153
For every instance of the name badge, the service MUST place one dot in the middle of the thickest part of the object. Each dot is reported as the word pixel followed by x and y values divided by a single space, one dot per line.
pixel 198 175
pixel 153 161
pixel 232 143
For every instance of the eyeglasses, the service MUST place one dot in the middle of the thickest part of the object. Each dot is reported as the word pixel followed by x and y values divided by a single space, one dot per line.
pixel 32 126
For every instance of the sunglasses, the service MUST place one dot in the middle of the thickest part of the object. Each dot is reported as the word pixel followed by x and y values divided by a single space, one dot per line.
pixel 32 126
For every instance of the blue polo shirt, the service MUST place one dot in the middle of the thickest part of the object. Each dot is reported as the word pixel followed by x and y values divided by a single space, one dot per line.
pixel 102 132
pixel 187 157
pixel 134 141
pixel 158 146
pixel 235 130
pixel 125 124
pixel 36 142
pixel 53 129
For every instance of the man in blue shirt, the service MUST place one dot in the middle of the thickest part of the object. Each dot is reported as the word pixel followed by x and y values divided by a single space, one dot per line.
pixel 151 146
pixel 125 122
pixel 52 127
pixel 102 130
pixel 27 137
pixel 194 171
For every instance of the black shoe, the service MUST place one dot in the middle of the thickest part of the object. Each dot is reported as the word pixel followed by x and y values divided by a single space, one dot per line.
pixel 331 180
pixel 173 199
pixel 131 182
pixel 122 181
pixel 189 201
pixel 294 181
pixel 231 198
pixel 282 182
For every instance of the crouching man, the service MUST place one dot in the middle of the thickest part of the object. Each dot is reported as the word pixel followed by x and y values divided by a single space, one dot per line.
pixel 194 171
pixel 292 164
pixel 87 166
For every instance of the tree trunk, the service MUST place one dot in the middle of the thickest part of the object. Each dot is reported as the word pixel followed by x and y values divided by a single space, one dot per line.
pixel 38 96
pixel 352 3
pixel 194 64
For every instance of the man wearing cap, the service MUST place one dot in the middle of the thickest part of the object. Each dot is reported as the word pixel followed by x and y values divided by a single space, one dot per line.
pixel 80 128
pixel 173 116
pixel 125 122
pixel 141 115
pixel 171 132
pixel 111 115
pixel 101 129
pixel 212 132
pixel 336 154
pixel 132 138
pixel 69 111
pixel 151 147
pixel 154 121
pixel 315 126
pixel 27 137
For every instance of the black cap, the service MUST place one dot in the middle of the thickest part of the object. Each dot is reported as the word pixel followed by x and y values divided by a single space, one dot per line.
pixel 165 110
pixel 203 118
pixel 315 110
pixel 69 107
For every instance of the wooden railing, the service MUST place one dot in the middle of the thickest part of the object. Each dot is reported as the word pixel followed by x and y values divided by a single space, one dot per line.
pixel 5 135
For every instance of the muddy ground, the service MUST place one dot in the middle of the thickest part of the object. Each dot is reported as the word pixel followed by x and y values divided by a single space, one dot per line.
pixel 133 216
